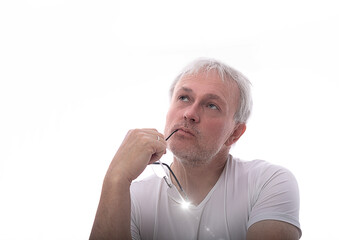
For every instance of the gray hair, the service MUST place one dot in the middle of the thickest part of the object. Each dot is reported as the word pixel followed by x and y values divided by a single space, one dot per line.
pixel 225 72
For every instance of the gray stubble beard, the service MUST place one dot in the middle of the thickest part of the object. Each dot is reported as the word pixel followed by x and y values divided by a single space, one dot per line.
pixel 194 157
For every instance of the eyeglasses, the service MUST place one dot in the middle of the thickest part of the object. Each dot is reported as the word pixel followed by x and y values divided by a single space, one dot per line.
pixel 166 176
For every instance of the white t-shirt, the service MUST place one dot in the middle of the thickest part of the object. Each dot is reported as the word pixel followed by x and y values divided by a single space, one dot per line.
pixel 246 192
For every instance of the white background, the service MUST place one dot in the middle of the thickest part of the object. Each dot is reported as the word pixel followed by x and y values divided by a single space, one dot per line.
pixel 76 75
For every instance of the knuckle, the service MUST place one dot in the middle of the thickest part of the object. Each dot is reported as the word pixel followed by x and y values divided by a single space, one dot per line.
pixel 133 132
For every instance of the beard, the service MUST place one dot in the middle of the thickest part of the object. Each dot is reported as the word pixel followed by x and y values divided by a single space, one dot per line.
pixel 194 154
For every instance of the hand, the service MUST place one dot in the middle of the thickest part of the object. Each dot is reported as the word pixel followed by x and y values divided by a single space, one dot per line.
pixel 139 148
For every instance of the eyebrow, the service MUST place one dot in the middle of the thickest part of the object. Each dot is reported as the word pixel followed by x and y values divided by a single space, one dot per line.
pixel 186 89
pixel 213 96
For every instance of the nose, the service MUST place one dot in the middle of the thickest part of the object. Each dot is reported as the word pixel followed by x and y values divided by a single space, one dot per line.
pixel 192 114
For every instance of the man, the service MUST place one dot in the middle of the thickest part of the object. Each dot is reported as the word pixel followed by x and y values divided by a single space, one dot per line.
pixel 229 198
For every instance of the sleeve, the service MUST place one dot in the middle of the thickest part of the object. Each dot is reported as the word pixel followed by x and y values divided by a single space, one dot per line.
pixel 274 196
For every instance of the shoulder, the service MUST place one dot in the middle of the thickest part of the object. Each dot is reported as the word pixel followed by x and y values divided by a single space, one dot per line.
pixel 271 176
pixel 268 181
pixel 146 184
pixel 259 176
pixel 144 195
pixel 260 170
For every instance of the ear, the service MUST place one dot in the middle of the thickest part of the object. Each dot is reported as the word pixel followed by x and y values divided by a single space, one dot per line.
pixel 238 131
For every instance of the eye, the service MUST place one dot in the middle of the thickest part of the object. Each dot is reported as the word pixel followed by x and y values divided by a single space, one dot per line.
pixel 212 106
pixel 183 98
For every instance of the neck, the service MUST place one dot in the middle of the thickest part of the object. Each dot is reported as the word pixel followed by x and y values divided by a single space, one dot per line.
pixel 197 180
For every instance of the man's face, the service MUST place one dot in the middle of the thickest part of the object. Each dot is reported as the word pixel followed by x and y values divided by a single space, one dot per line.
pixel 202 108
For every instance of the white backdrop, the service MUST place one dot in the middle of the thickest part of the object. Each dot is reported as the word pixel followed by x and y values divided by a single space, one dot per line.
pixel 76 75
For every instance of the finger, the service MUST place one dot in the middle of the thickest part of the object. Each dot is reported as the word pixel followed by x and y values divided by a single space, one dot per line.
pixel 159 149
pixel 156 156
pixel 160 137
pixel 152 131
pixel 157 135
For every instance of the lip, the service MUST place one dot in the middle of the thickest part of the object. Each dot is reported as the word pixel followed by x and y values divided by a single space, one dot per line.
pixel 186 131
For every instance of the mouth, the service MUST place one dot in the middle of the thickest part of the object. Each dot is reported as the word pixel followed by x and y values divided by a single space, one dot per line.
pixel 185 131
pixel 171 134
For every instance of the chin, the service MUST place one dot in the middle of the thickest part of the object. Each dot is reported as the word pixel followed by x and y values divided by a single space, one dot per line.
pixel 190 157
pixel 196 155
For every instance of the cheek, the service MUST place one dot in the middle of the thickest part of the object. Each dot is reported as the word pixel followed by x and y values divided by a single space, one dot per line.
pixel 174 112
pixel 169 119
pixel 220 131
pixel 169 116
